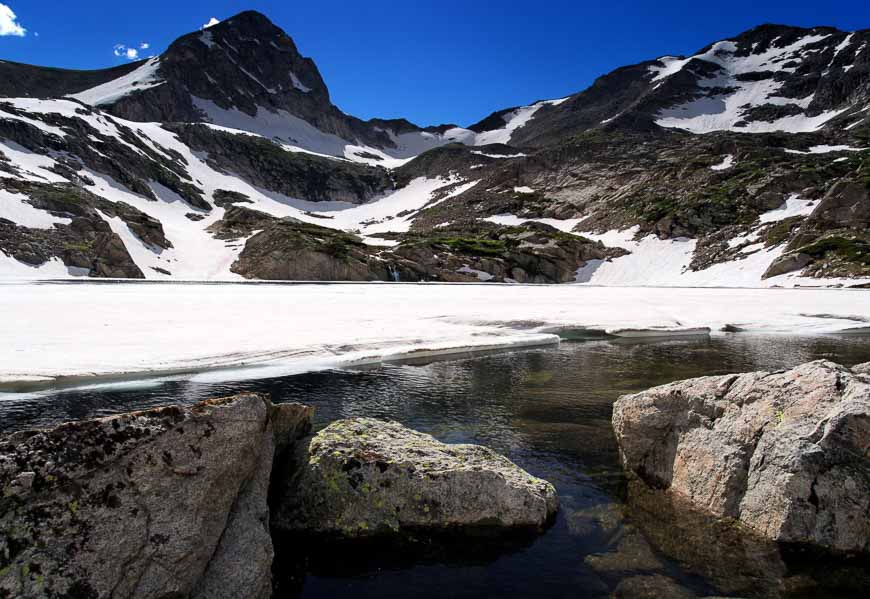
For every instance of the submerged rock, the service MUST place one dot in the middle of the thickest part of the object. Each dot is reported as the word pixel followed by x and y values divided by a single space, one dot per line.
pixel 169 502
pixel 784 453
pixel 363 477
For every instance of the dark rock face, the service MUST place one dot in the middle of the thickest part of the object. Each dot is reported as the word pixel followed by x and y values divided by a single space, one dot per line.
pixel 126 158
pixel 783 453
pixel 224 198
pixel 168 502
pixel 289 250
pixel 365 477
pixel 23 80
pixel 295 174
pixel 530 253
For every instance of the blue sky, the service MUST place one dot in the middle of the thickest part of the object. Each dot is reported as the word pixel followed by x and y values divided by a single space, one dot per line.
pixel 431 61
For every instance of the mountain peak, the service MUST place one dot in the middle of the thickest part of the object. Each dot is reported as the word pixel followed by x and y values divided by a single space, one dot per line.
pixel 243 64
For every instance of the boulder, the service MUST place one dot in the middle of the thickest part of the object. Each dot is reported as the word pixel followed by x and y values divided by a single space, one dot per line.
pixel 170 502
pixel 787 263
pixel 784 453
pixel 364 477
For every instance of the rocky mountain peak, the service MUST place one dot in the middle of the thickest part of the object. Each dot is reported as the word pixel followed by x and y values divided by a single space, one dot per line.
pixel 244 63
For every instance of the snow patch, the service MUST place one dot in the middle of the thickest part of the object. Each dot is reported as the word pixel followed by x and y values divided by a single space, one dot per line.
pixel 509 220
pixel 793 206
pixel 726 163
pixel 298 84
pixel 142 78
pixel 825 149
pixel 514 120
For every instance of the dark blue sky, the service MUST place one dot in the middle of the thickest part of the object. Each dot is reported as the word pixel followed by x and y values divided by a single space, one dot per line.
pixel 431 61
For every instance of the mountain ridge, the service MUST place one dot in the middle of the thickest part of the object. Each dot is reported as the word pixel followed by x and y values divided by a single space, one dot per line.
pixel 224 157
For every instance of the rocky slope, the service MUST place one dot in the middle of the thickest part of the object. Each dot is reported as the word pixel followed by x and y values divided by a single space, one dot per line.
pixel 744 164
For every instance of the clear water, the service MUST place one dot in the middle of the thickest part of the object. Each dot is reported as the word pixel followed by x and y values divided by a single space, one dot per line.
pixel 549 411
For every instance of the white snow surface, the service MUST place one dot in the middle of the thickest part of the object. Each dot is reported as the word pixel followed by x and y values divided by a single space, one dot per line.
pixel 29 165
pixel 139 330
pixel 510 220
pixel 13 270
pixel 825 149
pixel 381 215
pixel 793 206
pixel 144 77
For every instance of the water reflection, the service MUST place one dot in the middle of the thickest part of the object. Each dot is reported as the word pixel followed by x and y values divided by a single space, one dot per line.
pixel 549 410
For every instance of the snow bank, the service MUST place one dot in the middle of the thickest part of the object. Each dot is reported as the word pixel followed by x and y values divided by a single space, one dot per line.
pixel 509 220
pixel 133 330
pixel 144 77
pixel 13 270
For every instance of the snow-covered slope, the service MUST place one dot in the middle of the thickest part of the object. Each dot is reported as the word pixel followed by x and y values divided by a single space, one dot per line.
pixel 746 82
pixel 144 77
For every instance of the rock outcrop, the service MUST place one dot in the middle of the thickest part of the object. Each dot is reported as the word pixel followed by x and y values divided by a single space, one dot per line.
pixel 169 502
pixel 175 501
pixel 364 477
pixel 784 453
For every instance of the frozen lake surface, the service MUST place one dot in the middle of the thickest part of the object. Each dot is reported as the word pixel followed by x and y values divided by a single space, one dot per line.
pixel 78 333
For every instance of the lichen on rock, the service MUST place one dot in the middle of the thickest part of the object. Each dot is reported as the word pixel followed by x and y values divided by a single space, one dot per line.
pixel 166 502
pixel 364 477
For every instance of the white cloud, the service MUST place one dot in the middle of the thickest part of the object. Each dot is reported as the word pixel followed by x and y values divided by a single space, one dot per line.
pixel 123 51
pixel 211 23
pixel 8 23
pixel 144 46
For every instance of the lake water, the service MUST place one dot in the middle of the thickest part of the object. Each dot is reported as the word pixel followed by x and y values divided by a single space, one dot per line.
pixel 548 410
